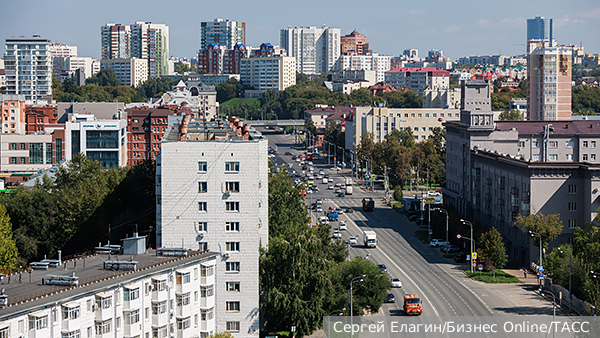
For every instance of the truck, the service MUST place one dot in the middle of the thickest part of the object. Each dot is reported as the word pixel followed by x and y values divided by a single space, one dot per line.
pixel 348 181
pixel 370 239
pixel 348 190
pixel 333 215
pixel 324 181
pixel 412 305
pixel 368 204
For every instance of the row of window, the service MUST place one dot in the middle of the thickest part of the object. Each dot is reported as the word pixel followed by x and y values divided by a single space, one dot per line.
pixel 229 186
pixel 568 157
pixel 229 206
pixel 554 144
pixel 229 226
pixel 229 166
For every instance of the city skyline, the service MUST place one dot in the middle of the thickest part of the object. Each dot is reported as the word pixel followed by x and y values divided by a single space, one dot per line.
pixel 468 28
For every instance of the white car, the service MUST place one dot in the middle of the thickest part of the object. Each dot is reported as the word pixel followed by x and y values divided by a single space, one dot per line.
pixel 322 172
pixel 319 209
pixel 330 187
pixel 337 234
pixel 330 180
pixel 396 283
pixel 336 168
pixel 343 225
pixel 438 242
pixel 352 240
pixel 324 219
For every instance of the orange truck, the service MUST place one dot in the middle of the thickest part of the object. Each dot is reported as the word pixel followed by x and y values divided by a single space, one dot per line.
pixel 412 305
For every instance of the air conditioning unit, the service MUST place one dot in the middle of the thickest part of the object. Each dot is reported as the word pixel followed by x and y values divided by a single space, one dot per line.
pixel 226 255
pixel 228 193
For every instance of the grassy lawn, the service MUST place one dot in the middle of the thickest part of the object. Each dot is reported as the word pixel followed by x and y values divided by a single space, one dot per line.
pixel 421 235
pixel 239 102
pixel 488 276
pixel 397 204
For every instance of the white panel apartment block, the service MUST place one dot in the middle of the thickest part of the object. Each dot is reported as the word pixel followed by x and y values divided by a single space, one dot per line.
pixel 193 198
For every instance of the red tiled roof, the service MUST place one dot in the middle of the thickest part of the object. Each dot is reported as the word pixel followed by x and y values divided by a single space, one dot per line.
pixel 560 127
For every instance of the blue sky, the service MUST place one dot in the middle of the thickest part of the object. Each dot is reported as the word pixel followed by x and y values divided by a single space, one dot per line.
pixel 458 28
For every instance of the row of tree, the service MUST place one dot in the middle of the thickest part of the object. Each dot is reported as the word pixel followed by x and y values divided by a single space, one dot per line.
pixel 73 213
pixel 304 274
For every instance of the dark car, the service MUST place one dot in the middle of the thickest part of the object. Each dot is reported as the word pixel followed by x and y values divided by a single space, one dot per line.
pixel 288 153
pixel 382 268
pixel 414 212
pixel 349 210
pixel 460 258
pixel 390 298
pixel 341 194
pixel 451 248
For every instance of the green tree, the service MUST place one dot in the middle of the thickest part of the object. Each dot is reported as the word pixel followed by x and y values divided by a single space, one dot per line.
pixel 105 77
pixel 283 196
pixel 223 334
pixel 544 227
pixel 228 90
pixel 8 247
pixel 491 249
pixel 510 115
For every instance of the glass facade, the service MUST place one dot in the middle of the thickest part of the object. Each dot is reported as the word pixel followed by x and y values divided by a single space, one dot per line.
pixel 58 150
pixel 96 139
pixel 75 145
pixel 110 159
pixel 48 153
pixel 36 153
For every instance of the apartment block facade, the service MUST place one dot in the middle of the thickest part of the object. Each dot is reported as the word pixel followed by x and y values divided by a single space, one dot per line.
pixel 539 28
pixel 130 72
pixel 212 193
pixel 115 41
pixel 316 49
pixel 380 64
pixel 271 72
pixel 28 67
pixel 163 297
pixel 354 44
pixel 225 33
pixel 12 113
pixel 549 82
pixel 417 79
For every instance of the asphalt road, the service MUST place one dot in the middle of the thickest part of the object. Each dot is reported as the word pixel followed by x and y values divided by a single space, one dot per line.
pixel 438 281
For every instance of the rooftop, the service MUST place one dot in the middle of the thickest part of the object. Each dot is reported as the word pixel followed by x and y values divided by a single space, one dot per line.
pixel 92 278
pixel 559 127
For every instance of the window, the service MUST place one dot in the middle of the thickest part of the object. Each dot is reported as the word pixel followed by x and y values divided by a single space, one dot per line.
pixel 183 277
pixel 207 291
pixel 572 189
pixel 232 186
pixel 202 166
pixel 584 144
pixel 131 317
pixel 72 334
pixel 202 186
pixel 416 128
pixel 159 308
pixel 521 144
pixel 569 157
pixel 572 206
pixel 232 306
pixel 203 226
pixel 206 314
pixel 183 299
pixel 232 246
pixel 592 144
pixel 13 146
pixel 442 115
pixel 585 157
pixel 232 267
pixel 553 157
pixel 592 157
pixel 22 146
pixel 13 160
pixel 89 330
pixel 207 270
pixel 572 223
pixel 232 226
pixel 233 286
pixel 103 327
pixel 535 157
pixel 412 115
pixel 183 323
pixel 131 294
pixel 232 206
pixel 22 160
pixel 569 144
pixel 232 326
pixel 553 144
pixel 535 144
pixel 71 312
pixel 232 166
pixel 103 303
pixel 160 332
pixel 21 326
pixel 202 206
pixel 38 323
pixel 159 285
pixel 202 246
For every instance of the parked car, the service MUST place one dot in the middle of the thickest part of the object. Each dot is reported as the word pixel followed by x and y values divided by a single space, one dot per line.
pixel 340 210
pixel 288 153
pixel 330 180
pixel 349 210
pixel 382 268
pixel 341 193
pixel 352 240
pixel 460 258
pixel 396 283
pixel 451 249
pixel 438 242
pixel 343 225
pixel 337 234
pixel 390 298
pixel 338 185
pixel 330 187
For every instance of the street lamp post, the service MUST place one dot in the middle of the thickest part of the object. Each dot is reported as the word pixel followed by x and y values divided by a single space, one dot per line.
pixel 570 294
pixel 554 307
pixel 541 265
pixel 339 312
pixel 446 212
pixel 472 242
pixel 355 279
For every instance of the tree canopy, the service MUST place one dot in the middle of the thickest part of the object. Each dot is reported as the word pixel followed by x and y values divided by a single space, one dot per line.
pixel 544 227
pixel 491 249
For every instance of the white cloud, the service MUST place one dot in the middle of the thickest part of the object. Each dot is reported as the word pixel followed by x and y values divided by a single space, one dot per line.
pixel 483 23
pixel 415 12
pixel 593 14
pixel 452 29
pixel 566 20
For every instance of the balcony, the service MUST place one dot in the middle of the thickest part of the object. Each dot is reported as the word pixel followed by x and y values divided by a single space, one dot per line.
pixel 488 181
pixel 514 191
pixel 207 302
pixel 501 202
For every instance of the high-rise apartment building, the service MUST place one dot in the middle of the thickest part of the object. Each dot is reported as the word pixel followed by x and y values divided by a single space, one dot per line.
pixel 212 194
pixel 549 82
pixel 372 61
pixel 28 67
pixel 316 49
pixel 268 72
pixel 116 41
pixel 150 41
pixel 417 79
pixel 354 44
pixel 226 33
pixel 130 72
pixel 539 29
pixel 143 40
